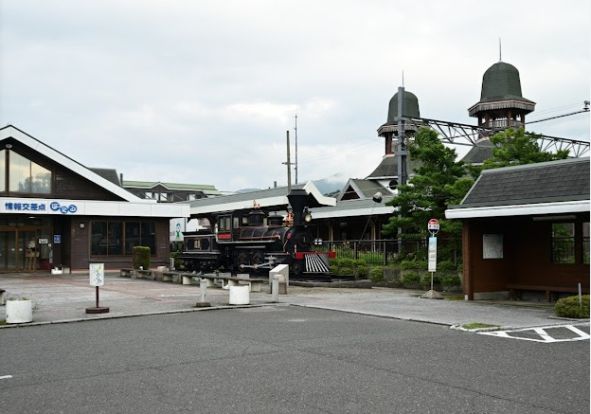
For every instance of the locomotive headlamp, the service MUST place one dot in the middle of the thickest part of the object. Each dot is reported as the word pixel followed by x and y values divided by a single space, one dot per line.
pixel 307 215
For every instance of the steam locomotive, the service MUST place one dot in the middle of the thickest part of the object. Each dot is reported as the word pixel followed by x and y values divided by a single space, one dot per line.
pixel 255 241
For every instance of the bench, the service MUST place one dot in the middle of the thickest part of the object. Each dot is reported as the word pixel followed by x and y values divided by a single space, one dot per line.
pixel 126 272
pixel 256 284
pixel 516 289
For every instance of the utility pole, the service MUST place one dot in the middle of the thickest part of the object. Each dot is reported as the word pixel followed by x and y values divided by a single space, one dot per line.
pixel 401 150
pixel 288 163
pixel 296 148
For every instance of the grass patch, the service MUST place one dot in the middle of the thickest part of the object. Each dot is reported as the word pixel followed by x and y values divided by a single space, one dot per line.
pixel 453 297
pixel 478 325
pixel 2 322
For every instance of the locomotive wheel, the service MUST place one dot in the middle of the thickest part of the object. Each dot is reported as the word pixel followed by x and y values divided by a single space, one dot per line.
pixel 298 267
pixel 242 259
pixel 257 258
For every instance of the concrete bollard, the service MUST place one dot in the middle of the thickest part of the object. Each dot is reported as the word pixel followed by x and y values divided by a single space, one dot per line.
pixel 203 283
pixel 274 289
pixel 282 272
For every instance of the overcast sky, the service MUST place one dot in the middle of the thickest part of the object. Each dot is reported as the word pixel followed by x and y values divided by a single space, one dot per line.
pixel 203 91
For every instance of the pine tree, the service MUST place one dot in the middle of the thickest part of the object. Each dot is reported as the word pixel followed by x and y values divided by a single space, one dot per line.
pixel 439 181
pixel 516 147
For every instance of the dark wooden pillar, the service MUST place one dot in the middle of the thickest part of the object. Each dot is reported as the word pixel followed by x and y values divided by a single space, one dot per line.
pixel 468 284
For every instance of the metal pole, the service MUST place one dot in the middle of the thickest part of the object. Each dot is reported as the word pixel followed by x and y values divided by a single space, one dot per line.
pixel 288 165
pixel 401 152
pixel 97 296
pixel 296 148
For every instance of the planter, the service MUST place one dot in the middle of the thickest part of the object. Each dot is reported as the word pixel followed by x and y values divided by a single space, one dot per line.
pixel 239 295
pixel 19 310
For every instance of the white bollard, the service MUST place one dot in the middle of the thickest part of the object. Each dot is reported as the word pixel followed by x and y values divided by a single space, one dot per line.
pixel 282 272
pixel 274 288
pixel 239 295
pixel 19 311
pixel 203 289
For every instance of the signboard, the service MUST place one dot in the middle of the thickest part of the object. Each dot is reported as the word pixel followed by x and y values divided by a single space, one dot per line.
pixel 57 239
pixel 432 254
pixel 43 241
pixel 97 274
pixel 433 226
pixel 37 207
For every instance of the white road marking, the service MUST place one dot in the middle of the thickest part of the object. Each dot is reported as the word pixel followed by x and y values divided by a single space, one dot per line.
pixel 544 336
pixel 5 377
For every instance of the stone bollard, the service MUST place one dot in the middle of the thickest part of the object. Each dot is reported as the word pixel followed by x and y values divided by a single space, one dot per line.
pixel 282 272
pixel 275 288
pixel 203 283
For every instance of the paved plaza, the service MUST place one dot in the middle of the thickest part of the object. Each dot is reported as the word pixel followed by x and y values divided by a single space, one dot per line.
pixel 65 298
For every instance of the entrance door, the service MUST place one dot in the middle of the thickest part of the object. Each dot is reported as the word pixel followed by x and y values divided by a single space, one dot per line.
pixel 19 250
pixel 8 253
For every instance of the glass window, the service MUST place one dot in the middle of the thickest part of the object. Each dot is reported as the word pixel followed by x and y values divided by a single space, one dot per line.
pixel 132 236
pixel 149 236
pixel 2 170
pixel 98 238
pixel 26 176
pixel 115 239
pixel 586 242
pixel 40 179
pixel 563 243
pixel 163 196
pixel 20 173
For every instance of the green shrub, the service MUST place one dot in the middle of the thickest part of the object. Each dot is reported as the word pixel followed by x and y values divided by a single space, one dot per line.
pixel 451 280
pixel 426 281
pixel 346 271
pixel 569 307
pixel 141 257
pixel 362 271
pixel 411 280
pixel 413 265
pixel 446 266
pixel 376 274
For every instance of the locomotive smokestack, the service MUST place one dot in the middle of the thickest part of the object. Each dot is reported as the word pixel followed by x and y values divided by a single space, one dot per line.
pixel 298 200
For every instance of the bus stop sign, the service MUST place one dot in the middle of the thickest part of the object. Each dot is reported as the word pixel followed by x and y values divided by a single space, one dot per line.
pixel 433 226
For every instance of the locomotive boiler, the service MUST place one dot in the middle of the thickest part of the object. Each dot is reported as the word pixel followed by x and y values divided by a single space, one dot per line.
pixel 256 241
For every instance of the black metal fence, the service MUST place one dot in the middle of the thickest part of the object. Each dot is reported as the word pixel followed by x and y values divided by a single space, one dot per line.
pixel 384 252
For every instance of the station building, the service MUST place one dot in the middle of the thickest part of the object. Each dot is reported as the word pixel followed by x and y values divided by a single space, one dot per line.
pixel 57 213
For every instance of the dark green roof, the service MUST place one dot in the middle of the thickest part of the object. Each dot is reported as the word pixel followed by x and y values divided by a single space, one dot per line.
pixel 545 182
pixel 410 107
pixel 501 81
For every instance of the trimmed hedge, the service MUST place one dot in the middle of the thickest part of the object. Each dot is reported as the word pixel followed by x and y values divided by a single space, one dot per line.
pixel 141 257
pixel 569 307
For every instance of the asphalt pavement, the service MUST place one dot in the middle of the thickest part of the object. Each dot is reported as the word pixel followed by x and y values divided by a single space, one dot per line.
pixel 64 298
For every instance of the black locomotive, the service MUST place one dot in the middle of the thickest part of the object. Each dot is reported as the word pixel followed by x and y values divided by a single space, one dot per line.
pixel 254 241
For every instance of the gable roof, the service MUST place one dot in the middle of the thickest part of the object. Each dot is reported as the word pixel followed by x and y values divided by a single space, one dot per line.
pixel 148 185
pixel 108 174
pixel 541 188
pixel 266 199
pixel 354 208
pixel 11 131
pixel 357 188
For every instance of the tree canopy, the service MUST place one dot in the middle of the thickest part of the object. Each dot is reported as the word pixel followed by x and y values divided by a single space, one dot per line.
pixel 515 147
pixel 438 182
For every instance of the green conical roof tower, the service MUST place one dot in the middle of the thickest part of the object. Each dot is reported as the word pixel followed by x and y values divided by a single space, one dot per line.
pixel 501 104
pixel 410 105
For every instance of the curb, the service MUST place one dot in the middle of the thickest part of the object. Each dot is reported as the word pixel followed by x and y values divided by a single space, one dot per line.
pixel 135 315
